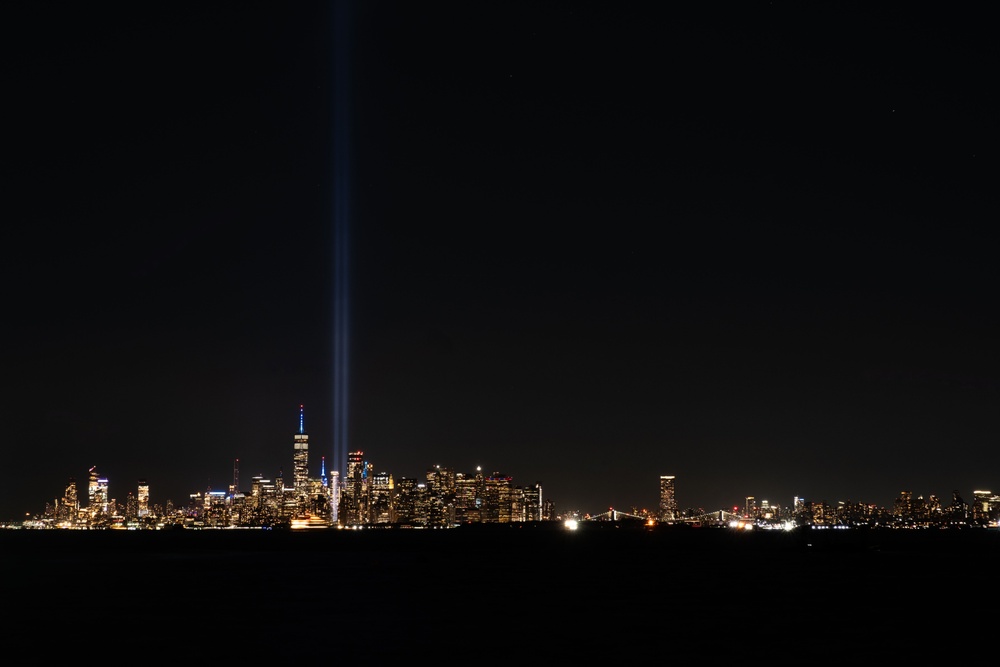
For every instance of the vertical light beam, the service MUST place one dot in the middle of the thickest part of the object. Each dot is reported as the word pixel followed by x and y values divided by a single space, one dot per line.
pixel 341 221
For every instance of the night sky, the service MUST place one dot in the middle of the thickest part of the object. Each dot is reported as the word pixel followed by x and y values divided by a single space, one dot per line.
pixel 746 244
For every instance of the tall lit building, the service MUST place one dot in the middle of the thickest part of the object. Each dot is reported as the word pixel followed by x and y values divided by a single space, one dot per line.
pixel 234 489
pixel 92 490
pixel 902 507
pixel 131 507
pixel 421 505
pixel 383 497
pixel 143 497
pixel 334 491
pixel 103 503
pixel 984 506
pixel 353 505
pixel 441 480
pixel 496 498
pixel 97 494
pixel 468 497
pixel 668 501
pixel 265 502
pixel 300 464
pixel 71 505
pixel 526 503
pixel 406 500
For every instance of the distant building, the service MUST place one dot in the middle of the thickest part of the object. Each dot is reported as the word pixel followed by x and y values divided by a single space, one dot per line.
pixel 353 500
pixel 668 501
pixel 383 499
pixel 143 498
pixel 469 496
pixel 300 466
pixel 985 507
pixel 496 498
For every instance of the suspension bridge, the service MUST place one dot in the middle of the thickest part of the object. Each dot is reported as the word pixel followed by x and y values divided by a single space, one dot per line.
pixel 718 517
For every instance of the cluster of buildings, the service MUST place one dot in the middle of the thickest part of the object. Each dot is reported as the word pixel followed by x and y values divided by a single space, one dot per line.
pixel 361 497
pixel 446 498
pixel 908 511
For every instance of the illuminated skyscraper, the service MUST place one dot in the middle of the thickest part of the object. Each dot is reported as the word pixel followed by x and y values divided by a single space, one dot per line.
pixel 334 491
pixel 496 498
pixel 983 504
pixel 101 497
pixel 668 502
pixel 406 500
pixel 353 505
pixel 902 507
pixel 92 490
pixel 468 494
pixel 300 465
pixel 97 495
pixel 441 480
pixel 235 488
pixel 383 498
pixel 143 497
pixel 526 503
pixel 70 509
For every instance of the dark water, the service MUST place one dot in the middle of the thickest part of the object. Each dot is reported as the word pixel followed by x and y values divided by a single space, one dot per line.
pixel 496 596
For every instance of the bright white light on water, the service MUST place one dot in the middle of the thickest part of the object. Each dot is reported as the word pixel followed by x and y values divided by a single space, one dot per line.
pixel 570 524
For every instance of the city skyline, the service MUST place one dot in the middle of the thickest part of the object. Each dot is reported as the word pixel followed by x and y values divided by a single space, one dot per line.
pixel 663 504
pixel 984 503
pixel 746 244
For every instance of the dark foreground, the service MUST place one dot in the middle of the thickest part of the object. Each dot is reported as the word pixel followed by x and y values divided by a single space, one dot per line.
pixel 500 596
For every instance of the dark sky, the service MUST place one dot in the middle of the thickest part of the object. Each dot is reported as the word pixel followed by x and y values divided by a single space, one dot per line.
pixel 746 244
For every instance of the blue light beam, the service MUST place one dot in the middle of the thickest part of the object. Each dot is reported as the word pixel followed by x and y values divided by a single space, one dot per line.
pixel 341 222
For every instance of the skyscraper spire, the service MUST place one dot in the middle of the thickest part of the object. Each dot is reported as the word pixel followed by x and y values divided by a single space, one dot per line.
pixel 300 458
